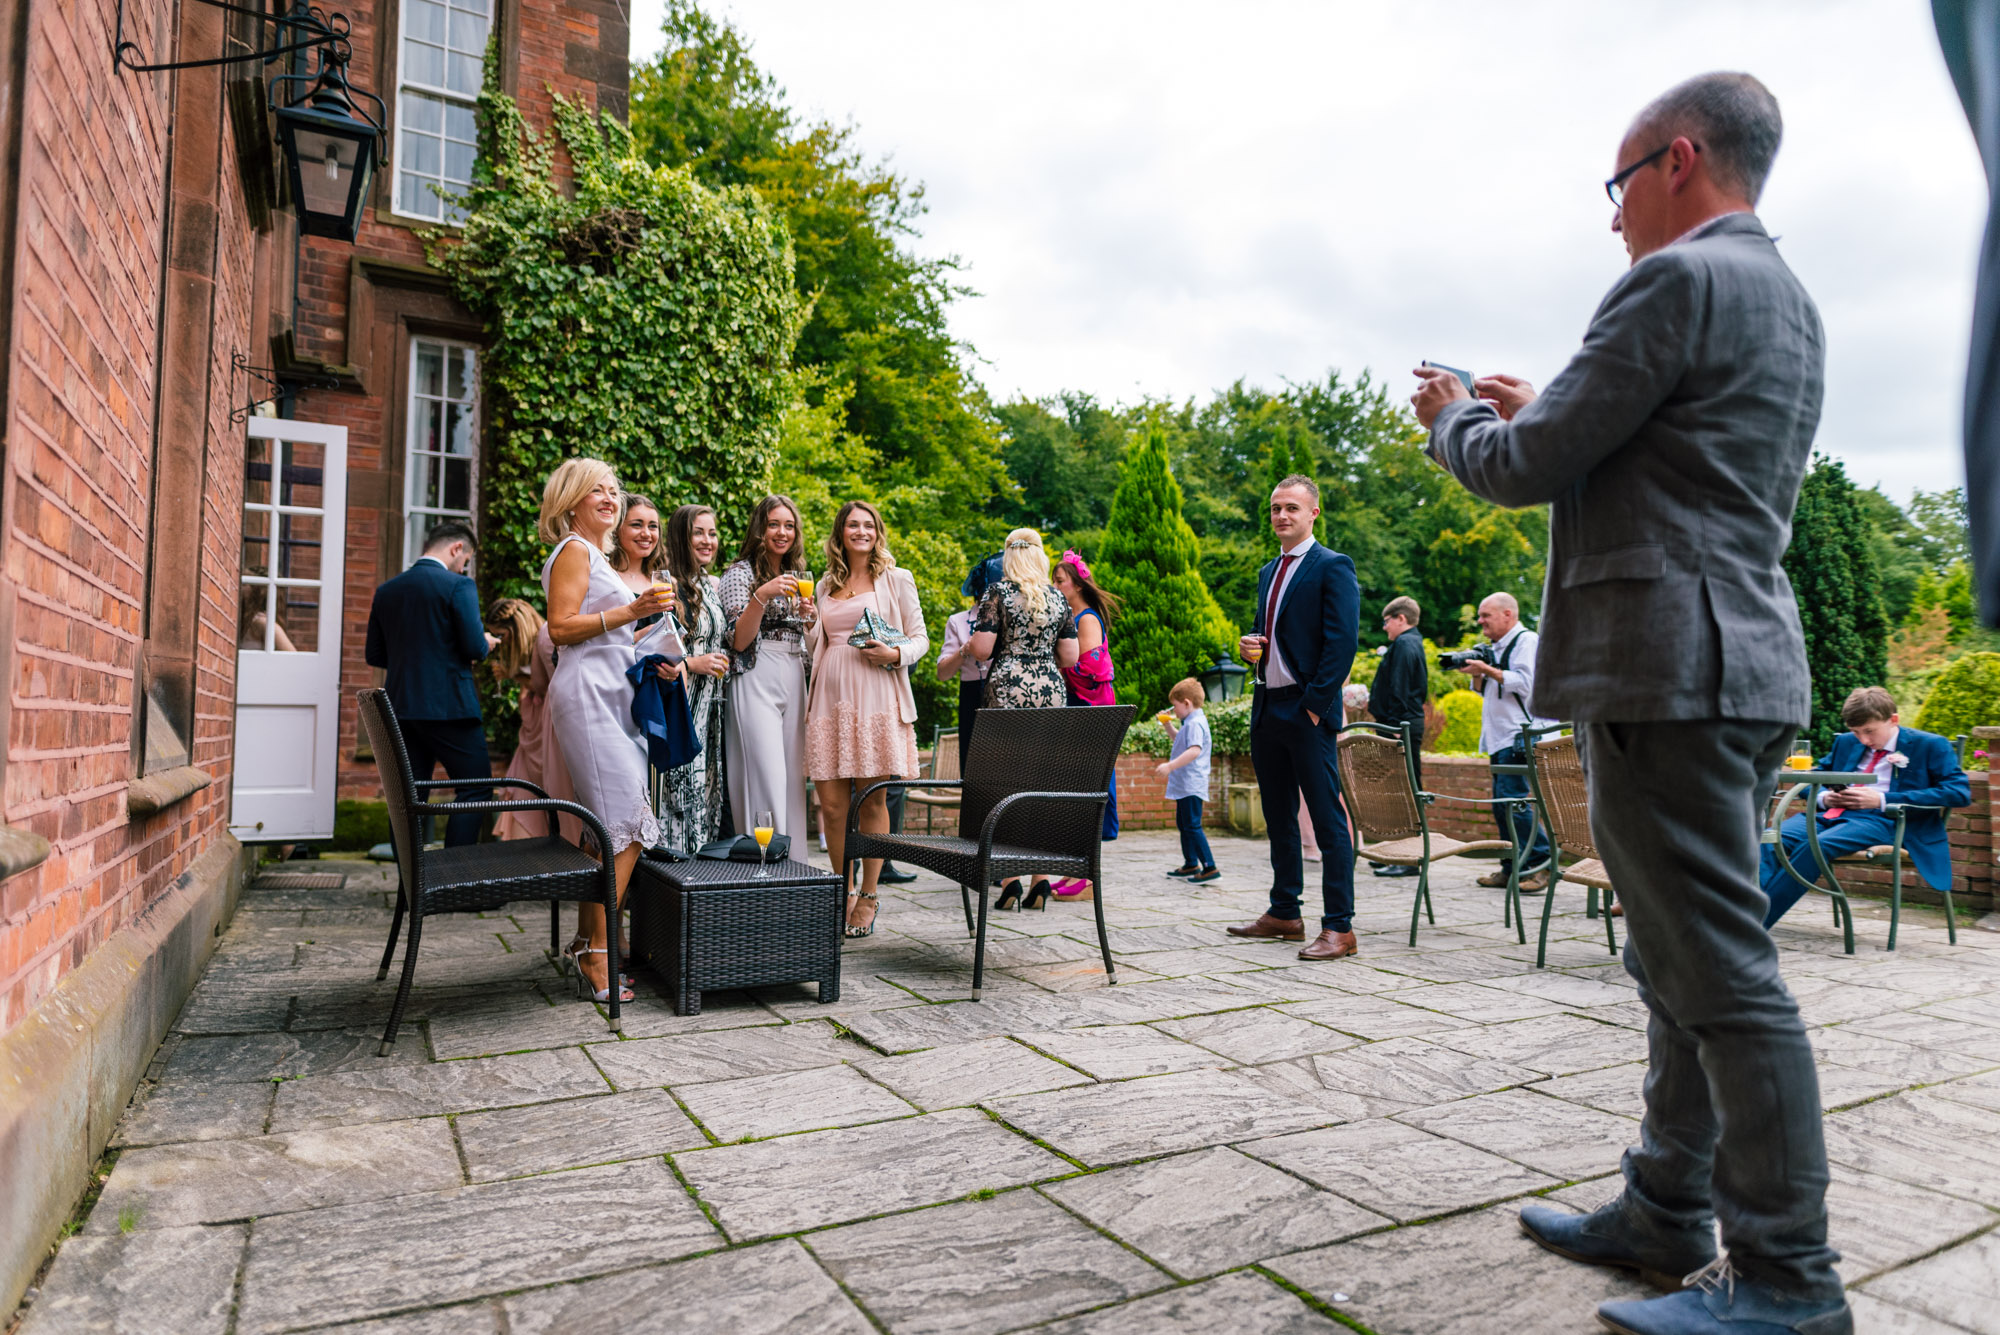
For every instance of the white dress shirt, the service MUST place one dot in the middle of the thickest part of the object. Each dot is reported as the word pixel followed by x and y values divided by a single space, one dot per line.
pixel 1504 703
pixel 1276 673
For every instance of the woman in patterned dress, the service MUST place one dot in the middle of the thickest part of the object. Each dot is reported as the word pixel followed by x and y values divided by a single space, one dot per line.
pixel 691 814
pixel 1023 625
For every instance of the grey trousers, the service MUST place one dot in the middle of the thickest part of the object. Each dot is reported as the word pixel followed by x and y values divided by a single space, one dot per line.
pixel 1732 1128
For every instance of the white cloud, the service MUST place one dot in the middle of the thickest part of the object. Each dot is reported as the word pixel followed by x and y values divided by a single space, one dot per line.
pixel 1162 198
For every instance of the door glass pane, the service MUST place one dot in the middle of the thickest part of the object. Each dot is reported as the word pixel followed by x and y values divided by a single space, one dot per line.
pixel 299 546
pixel 253 629
pixel 298 619
pixel 256 543
pixel 257 474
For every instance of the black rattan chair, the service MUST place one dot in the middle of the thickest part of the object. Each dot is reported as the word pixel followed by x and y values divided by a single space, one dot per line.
pixel 476 877
pixel 1032 802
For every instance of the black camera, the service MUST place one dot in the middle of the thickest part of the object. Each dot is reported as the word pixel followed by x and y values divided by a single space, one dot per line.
pixel 1478 653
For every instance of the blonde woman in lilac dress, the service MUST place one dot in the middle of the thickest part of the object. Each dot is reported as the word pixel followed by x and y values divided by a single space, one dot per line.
pixel 861 714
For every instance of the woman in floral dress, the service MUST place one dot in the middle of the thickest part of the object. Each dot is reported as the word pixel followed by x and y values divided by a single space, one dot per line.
pixel 1023 625
pixel 692 795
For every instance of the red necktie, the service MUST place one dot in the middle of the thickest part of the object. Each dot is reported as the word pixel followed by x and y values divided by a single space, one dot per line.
pixel 1271 605
pixel 1874 759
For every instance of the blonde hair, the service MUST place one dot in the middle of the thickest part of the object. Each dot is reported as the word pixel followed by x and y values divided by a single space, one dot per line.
pixel 516 623
pixel 1190 690
pixel 879 560
pixel 573 480
pixel 1025 561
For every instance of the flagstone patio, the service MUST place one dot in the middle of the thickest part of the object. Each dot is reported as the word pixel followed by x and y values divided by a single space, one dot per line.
pixel 1229 1139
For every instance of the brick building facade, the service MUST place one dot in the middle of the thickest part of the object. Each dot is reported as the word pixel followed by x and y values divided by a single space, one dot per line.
pixel 157 295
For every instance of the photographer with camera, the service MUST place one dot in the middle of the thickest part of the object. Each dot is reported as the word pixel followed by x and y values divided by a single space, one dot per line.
pixel 1503 672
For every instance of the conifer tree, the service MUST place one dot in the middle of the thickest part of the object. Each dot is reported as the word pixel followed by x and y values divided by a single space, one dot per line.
pixel 1832 566
pixel 1304 464
pixel 1170 627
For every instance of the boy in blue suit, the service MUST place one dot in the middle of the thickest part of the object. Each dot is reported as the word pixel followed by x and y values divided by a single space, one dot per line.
pixel 1911 768
pixel 425 630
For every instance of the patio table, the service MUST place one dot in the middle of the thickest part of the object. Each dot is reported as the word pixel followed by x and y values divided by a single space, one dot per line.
pixel 707 925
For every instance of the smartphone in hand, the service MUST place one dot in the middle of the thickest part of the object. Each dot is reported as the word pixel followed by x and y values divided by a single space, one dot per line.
pixel 1465 377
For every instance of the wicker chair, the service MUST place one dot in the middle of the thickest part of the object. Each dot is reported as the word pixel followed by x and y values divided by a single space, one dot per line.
pixel 1036 799
pixel 1555 774
pixel 944 769
pixel 1379 782
pixel 476 877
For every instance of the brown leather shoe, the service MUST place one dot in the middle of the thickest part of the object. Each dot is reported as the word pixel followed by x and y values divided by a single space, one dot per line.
pixel 1331 945
pixel 1493 880
pixel 1273 929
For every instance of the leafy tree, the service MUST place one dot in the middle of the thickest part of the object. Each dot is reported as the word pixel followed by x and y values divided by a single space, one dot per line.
pixel 1967 696
pixel 1171 627
pixel 878 326
pixel 1062 454
pixel 1831 564
pixel 643 318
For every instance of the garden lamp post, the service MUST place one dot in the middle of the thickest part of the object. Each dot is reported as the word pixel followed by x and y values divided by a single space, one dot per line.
pixel 1224 681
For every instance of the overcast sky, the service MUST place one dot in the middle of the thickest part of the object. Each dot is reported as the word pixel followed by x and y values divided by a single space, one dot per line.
pixel 1161 198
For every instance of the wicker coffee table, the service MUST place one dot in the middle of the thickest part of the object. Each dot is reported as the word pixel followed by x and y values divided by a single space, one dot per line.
pixel 708 925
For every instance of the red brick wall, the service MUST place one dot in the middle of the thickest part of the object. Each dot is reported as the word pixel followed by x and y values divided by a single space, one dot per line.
pixel 82 376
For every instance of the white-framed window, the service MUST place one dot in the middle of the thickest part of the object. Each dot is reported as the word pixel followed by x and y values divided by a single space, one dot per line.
pixel 440 458
pixel 439 67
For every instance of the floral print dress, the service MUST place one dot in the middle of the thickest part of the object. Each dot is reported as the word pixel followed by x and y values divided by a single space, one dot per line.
pixel 1024 674
pixel 691 796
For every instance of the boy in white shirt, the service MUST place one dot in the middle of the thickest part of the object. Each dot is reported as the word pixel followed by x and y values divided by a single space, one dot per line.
pixel 1186 772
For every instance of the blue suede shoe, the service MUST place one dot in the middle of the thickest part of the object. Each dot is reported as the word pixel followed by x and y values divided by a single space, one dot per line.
pixel 1608 1236
pixel 1718 1301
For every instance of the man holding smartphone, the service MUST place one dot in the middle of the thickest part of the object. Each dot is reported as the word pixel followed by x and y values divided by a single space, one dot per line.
pixel 1671 449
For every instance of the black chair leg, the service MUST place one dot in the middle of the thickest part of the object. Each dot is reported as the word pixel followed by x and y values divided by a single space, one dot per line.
pixel 1103 937
pixel 614 970
pixel 395 930
pixel 555 929
pixel 979 945
pixel 965 898
pixel 402 988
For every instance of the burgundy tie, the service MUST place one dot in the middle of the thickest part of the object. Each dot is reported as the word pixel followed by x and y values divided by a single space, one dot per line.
pixel 1271 605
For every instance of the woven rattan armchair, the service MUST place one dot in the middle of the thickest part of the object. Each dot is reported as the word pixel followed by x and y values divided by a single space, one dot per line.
pixel 477 877
pixel 1378 777
pixel 1555 775
pixel 1032 803
pixel 944 769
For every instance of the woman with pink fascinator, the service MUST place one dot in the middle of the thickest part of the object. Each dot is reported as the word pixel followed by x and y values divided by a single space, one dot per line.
pixel 1088 680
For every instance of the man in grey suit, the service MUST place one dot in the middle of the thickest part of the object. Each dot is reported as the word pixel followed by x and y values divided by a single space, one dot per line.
pixel 1671 448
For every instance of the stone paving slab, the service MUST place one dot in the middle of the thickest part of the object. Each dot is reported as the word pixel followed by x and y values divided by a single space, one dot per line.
pixel 1015 1182
pixel 391 1092
pixel 513 1142
pixel 172 1280
pixel 826 1177
pixel 1241 1304
pixel 1211 1210
pixel 771 1289
pixel 423 1250
pixel 213 1181
pixel 1136 1119
pixel 981 1267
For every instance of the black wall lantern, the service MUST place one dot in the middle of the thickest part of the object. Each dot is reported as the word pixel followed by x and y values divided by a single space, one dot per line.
pixel 330 146
pixel 1224 681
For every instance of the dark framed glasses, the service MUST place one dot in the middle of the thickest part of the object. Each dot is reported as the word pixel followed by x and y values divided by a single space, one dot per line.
pixel 1615 187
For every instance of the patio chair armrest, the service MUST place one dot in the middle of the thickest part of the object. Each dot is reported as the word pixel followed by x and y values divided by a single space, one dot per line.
pixel 1474 801
pixel 1783 809
pixel 1900 808
pixel 549 804
pixel 538 791
pixel 1000 809
pixel 854 807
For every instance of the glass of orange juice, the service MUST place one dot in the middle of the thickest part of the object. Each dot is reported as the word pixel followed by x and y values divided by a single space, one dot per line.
pixel 761 829
pixel 1164 717
pixel 1254 651
pixel 1801 756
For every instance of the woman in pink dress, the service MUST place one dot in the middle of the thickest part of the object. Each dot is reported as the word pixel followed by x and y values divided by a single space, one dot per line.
pixel 1088 680
pixel 861 714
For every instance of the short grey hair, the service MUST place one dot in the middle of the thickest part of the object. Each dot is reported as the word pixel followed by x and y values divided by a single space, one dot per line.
pixel 1731 117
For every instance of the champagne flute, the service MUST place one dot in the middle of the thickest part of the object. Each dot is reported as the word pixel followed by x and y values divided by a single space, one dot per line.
pixel 1254 651
pixel 763 828
pixel 806 585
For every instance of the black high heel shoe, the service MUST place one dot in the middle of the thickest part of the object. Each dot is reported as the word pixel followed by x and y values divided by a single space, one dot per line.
pixel 1037 897
pixel 1010 896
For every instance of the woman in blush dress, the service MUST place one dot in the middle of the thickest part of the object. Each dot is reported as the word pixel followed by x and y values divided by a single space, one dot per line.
pixel 861 715
pixel 691 814
pixel 768 616
pixel 591 615
pixel 1023 626
pixel 517 625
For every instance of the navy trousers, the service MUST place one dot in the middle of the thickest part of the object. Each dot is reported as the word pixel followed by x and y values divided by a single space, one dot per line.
pixel 1852 832
pixel 1194 840
pixel 460 746
pixel 1293 758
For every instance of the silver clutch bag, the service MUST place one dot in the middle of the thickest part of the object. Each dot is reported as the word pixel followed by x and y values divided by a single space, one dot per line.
pixel 873 627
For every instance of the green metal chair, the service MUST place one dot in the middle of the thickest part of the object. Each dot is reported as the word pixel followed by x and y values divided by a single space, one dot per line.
pixel 1889 855
pixel 1555 776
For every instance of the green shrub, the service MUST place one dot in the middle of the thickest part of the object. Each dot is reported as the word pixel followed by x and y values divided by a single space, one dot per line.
pixel 359 825
pixel 1461 724
pixel 1966 696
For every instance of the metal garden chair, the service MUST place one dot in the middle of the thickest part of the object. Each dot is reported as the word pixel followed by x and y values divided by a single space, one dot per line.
pixel 1555 775
pixel 1379 780
pixel 1034 803
pixel 1889 855
pixel 477 877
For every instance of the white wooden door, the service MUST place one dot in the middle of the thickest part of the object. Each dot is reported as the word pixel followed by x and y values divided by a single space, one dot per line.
pixel 288 631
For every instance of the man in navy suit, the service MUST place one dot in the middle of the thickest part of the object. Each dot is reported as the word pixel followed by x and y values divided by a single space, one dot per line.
pixel 425 628
pixel 1912 768
pixel 1307 629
